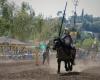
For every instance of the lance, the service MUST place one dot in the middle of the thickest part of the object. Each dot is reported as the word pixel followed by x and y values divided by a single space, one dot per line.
pixel 62 20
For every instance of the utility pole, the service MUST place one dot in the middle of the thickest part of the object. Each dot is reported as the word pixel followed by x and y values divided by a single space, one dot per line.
pixel 75 2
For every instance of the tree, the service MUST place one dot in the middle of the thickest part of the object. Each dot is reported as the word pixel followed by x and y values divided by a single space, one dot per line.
pixel 22 26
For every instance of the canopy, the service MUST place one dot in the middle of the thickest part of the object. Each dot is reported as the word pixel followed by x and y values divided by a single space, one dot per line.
pixel 10 41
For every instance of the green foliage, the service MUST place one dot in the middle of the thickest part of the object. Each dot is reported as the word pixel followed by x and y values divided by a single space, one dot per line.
pixel 2 2
pixel 78 44
pixel 21 23
pixel 4 27
pixel 22 26
pixel 16 24
pixel 87 43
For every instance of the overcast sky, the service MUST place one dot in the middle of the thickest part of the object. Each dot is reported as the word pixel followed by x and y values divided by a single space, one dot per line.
pixel 50 7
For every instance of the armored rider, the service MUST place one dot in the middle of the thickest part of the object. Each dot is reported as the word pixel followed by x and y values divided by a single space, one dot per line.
pixel 67 39
pixel 68 42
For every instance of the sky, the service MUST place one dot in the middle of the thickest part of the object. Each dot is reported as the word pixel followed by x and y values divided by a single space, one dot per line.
pixel 51 7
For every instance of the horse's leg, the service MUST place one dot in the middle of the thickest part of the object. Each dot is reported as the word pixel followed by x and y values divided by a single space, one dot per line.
pixel 66 66
pixel 59 63
pixel 73 58
pixel 70 64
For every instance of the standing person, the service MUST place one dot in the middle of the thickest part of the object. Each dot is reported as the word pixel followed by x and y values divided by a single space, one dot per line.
pixel 43 51
pixel 46 54
pixel 36 51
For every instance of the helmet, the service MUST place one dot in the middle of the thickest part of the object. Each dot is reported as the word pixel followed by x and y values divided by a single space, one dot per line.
pixel 66 30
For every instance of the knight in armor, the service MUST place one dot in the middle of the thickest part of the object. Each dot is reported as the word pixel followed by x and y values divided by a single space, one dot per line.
pixel 66 39
pixel 68 42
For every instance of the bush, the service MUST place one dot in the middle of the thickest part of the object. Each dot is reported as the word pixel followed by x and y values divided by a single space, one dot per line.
pixel 87 43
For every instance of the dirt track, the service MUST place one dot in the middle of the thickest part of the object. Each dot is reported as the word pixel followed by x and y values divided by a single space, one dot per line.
pixel 27 70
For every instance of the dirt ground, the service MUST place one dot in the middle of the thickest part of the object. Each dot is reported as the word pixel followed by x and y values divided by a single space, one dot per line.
pixel 27 70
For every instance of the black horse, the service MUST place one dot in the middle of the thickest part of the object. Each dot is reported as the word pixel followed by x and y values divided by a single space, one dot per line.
pixel 63 54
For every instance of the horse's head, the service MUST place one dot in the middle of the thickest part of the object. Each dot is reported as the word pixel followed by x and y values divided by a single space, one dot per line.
pixel 56 43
